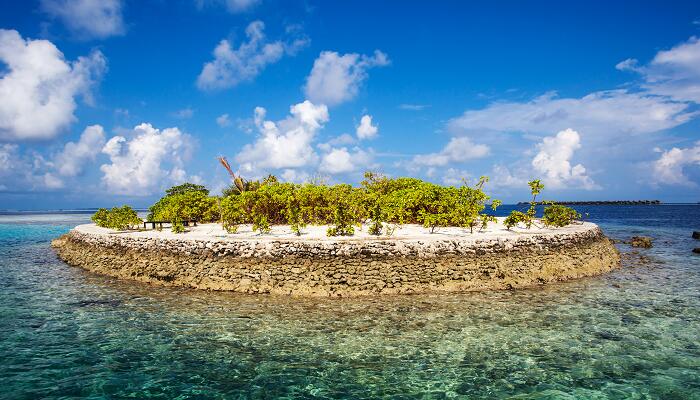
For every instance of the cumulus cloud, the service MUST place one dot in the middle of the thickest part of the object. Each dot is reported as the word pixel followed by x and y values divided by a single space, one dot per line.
pixel 336 78
pixel 455 177
pixel 223 120
pixel 88 18
pixel 457 150
pixel 366 130
pixel 674 73
pixel 604 113
pixel 668 169
pixel 39 88
pixel 71 160
pixel 232 6
pixel 287 143
pixel 554 161
pixel 341 160
pixel 147 161
pixel 232 66
pixel 21 172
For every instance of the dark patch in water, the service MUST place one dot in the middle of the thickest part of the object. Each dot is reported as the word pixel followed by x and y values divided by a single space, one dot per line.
pixel 88 303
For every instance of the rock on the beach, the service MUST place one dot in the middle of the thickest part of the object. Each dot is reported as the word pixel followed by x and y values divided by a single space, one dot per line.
pixel 640 241
pixel 696 234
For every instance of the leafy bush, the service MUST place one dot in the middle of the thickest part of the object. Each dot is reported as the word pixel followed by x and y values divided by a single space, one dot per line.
pixel 120 218
pixel 178 227
pixel 559 215
pixel 186 187
pixel 517 217
pixel 554 214
pixel 293 213
pixel 191 205
pixel 344 211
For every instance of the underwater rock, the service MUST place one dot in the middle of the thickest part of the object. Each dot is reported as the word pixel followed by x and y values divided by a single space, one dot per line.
pixel 696 234
pixel 696 250
pixel 640 241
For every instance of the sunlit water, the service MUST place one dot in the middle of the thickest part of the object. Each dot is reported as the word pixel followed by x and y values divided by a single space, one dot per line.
pixel 634 333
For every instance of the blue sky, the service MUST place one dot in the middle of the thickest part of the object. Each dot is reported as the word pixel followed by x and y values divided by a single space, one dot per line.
pixel 110 102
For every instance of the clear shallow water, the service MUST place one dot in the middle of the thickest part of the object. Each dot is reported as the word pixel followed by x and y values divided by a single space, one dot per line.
pixel 634 333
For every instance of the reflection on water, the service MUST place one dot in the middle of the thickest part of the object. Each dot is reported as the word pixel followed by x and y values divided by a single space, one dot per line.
pixel 633 333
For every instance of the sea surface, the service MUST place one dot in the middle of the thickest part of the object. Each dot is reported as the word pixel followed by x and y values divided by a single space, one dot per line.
pixel 631 334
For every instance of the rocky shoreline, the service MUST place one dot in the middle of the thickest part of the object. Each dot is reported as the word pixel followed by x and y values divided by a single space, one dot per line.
pixel 342 267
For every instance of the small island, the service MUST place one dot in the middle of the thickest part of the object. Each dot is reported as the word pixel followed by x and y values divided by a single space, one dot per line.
pixel 388 236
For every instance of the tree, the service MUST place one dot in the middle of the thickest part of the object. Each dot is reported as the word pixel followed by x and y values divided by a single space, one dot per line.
pixel 186 187
pixel 119 218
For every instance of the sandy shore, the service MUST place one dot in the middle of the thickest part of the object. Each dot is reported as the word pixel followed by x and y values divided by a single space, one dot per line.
pixel 214 232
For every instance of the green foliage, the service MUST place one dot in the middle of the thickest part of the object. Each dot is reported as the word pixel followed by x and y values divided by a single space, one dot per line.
pixel 101 217
pixel 177 227
pixel 517 217
pixel 120 218
pixel 559 215
pixel 554 214
pixel 344 211
pixel 185 206
pixel 469 204
pixel 186 187
pixel 293 213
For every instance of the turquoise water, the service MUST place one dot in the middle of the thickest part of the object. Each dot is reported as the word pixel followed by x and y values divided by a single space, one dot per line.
pixel 634 333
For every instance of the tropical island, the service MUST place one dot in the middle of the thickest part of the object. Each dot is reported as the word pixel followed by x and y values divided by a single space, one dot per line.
pixel 388 235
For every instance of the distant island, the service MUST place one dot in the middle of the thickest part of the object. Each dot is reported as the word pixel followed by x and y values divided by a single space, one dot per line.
pixel 603 202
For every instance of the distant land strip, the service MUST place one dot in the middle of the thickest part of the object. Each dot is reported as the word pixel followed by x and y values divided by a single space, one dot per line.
pixel 602 203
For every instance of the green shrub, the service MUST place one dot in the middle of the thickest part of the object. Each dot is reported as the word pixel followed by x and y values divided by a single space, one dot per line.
pixel 101 217
pixel 517 217
pixel 344 211
pixel 559 215
pixel 120 218
pixel 193 205
pixel 293 213
pixel 177 227
pixel 186 187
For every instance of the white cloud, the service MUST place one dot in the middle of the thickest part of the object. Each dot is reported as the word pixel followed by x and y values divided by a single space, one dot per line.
pixel 339 140
pixel 668 169
pixel 340 160
pixel 335 79
pixel 553 160
pixel 455 177
pixel 232 6
pixel 88 18
pixel 413 107
pixel 185 113
pixel 287 143
pixel 223 120
pixel 605 113
pixel 38 90
pixel 501 176
pixel 366 130
pixel 233 66
pixel 457 150
pixel 674 72
pixel 70 161
pixel 20 172
pixel 293 175
pixel 148 161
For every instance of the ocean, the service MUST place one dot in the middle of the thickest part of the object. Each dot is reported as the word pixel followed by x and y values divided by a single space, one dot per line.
pixel 631 334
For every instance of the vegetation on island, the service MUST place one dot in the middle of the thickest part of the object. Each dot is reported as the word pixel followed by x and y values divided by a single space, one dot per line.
pixel 120 218
pixel 379 202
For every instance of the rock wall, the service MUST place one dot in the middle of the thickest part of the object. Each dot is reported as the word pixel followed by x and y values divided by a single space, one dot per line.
pixel 343 268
